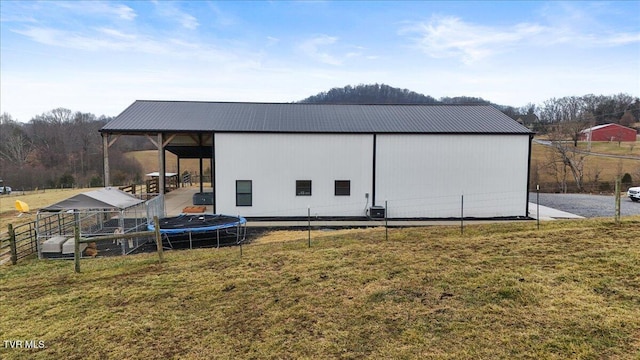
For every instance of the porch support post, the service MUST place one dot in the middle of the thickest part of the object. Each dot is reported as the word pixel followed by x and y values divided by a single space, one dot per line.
pixel 213 171
pixel 105 158
pixel 161 164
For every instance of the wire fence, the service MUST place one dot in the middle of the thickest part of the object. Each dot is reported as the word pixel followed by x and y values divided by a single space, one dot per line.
pixel 478 205
pixel 456 208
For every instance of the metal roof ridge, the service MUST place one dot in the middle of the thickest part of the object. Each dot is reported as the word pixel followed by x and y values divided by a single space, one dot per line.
pixel 301 103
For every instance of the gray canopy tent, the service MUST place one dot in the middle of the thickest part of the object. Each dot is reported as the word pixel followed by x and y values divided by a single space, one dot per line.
pixel 107 198
pixel 100 212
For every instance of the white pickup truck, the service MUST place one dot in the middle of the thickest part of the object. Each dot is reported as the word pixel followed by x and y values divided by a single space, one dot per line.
pixel 634 193
pixel 5 190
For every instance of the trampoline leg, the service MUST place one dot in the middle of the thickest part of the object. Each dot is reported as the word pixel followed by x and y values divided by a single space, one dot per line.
pixel 168 241
pixel 190 242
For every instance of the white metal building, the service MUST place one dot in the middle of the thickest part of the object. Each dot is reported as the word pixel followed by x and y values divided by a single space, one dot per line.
pixel 278 160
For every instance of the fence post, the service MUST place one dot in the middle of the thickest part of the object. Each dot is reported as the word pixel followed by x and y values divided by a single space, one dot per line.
pixel 538 205
pixel 76 238
pixel 156 229
pixel 309 223
pixel 462 214
pixel 238 231
pixel 386 227
pixel 617 201
pixel 12 244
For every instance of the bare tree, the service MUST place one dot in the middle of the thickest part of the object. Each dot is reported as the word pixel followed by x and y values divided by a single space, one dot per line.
pixel 15 146
pixel 574 130
pixel 565 159
pixel 594 177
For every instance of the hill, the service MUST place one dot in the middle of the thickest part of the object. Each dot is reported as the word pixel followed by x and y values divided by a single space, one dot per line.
pixel 568 290
pixel 382 94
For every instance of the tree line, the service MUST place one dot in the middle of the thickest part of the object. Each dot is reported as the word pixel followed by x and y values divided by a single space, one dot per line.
pixel 588 109
pixel 60 149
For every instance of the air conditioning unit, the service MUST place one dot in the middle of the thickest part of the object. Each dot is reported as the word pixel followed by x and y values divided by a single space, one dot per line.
pixel 377 212
pixel 203 198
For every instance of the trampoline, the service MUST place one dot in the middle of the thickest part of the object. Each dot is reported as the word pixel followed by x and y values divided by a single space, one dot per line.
pixel 203 228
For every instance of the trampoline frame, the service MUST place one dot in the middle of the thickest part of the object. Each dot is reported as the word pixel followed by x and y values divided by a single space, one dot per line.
pixel 240 225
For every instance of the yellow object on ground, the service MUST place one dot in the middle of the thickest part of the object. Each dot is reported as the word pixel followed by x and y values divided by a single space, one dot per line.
pixel 22 206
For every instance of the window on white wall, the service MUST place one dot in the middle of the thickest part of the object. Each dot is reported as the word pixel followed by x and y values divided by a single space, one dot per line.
pixel 343 187
pixel 303 187
pixel 244 193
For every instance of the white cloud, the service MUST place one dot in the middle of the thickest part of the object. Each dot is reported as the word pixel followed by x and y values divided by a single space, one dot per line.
pixel 99 7
pixel 124 12
pixel 102 40
pixel 321 49
pixel 314 48
pixel 272 40
pixel 188 21
pixel 173 13
pixel 613 39
pixel 451 37
pixel 116 33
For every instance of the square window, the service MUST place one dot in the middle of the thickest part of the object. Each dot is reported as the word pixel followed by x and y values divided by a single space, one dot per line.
pixel 343 187
pixel 244 194
pixel 303 187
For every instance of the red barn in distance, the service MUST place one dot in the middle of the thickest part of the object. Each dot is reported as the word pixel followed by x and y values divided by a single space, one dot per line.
pixel 608 132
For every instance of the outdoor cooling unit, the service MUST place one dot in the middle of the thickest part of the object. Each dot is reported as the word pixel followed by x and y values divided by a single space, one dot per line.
pixel 377 212
pixel 203 198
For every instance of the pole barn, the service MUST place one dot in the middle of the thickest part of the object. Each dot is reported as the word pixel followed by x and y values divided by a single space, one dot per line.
pixel 273 160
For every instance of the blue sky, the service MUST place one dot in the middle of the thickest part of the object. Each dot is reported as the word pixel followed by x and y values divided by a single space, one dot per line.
pixel 99 57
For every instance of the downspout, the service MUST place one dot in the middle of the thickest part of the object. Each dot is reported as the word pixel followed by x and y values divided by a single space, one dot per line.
pixel 213 170
pixel 200 162
pixel 373 173
pixel 528 174
pixel 105 159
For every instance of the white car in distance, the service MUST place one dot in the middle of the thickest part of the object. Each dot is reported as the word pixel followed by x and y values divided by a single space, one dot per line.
pixel 634 193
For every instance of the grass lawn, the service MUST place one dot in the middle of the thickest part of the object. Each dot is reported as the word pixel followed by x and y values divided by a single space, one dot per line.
pixel 35 199
pixel 613 148
pixel 568 290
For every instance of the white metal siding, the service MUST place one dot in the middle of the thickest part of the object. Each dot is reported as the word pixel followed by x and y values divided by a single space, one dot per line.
pixel 426 175
pixel 273 162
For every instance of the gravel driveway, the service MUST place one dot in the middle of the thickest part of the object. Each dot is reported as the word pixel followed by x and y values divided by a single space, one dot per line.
pixel 588 205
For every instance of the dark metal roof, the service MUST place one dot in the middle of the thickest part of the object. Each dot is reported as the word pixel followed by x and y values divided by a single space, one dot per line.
pixel 193 116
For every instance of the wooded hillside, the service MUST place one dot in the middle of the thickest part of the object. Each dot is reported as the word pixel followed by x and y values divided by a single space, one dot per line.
pixel 60 149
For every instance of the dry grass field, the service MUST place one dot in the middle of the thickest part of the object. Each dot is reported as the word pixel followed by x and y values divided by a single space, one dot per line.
pixel 35 199
pixel 627 149
pixel 607 167
pixel 149 161
pixel 570 290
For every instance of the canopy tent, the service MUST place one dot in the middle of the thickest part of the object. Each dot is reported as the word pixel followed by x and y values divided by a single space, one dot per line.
pixel 107 198
pixel 104 211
